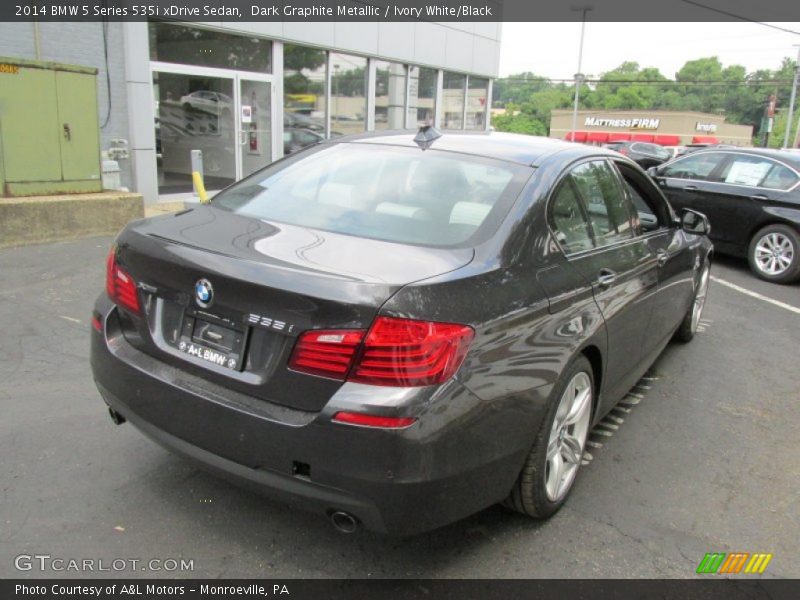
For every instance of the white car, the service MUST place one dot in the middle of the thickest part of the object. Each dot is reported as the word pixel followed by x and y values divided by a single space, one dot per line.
pixel 207 101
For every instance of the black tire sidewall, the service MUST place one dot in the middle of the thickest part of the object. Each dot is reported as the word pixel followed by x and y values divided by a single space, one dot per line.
pixel 790 274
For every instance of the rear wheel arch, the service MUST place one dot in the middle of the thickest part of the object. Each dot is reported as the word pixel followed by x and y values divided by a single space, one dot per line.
pixel 773 220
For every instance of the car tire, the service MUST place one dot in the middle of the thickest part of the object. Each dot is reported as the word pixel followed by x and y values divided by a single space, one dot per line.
pixel 539 491
pixel 774 254
pixel 688 327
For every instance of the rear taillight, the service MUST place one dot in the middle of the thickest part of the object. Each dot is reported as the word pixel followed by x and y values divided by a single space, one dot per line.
pixel 120 286
pixel 395 352
pixel 405 353
pixel 326 352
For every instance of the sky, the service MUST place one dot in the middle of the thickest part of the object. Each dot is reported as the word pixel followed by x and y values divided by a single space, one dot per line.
pixel 551 49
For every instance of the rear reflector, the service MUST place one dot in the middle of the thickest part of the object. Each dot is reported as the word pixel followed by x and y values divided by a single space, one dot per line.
pixel 120 286
pixel 328 353
pixel 97 324
pixel 395 352
pixel 352 418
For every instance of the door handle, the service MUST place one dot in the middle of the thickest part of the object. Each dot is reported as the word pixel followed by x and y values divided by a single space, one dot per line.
pixel 690 188
pixel 606 277
pixel 760 197
pixel 67 132
pixel 662 257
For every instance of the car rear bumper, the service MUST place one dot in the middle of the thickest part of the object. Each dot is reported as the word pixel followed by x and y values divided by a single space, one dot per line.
pixel 461 456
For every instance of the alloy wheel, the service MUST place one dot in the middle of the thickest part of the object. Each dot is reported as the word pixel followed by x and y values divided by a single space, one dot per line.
pixel 700 299
pixel 774 253
pixel 568 436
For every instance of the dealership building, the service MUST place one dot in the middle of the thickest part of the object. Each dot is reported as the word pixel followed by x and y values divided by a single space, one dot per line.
pixel 667 128
pixel 244 94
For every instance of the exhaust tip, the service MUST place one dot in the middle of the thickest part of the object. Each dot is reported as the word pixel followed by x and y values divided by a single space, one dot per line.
pixel 344 522
pixel 115 416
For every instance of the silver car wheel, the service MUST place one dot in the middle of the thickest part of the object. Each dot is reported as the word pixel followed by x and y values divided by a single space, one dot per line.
pixel 773 253
pixel 568 436
pixel 700 298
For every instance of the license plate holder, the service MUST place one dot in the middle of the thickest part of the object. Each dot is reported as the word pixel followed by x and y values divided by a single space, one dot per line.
pixel 225 349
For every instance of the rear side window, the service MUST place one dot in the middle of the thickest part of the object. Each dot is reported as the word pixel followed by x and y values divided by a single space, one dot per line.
pixel 746 170
pixel 610 213
pixel 569 221
pixel 758 171
pixel 780 177
pixel 388 193
pixel 695 166
pixel 650 150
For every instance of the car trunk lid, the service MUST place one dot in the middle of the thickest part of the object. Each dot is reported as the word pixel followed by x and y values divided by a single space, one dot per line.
pixel 268 282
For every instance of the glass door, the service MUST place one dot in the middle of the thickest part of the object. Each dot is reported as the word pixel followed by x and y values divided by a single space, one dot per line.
pixel 254 121
pixel 194 111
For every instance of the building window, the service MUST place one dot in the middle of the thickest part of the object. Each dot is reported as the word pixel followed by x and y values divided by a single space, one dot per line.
pixel 348 94
pixel 193 112
pixel 453 100
pixel 390 95
pixel 206 48
pixel 477 98
pixel 304 96
pixel 421 96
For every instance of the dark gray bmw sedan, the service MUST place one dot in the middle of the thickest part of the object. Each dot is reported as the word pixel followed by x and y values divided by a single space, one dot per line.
pixel 397 330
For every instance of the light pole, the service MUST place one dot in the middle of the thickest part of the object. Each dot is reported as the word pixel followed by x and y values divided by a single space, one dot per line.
pixel 336 92
pixel 579 76
pixel 791 99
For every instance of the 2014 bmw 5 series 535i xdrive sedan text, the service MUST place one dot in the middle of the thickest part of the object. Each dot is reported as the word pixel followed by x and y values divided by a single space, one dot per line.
pixel 399 330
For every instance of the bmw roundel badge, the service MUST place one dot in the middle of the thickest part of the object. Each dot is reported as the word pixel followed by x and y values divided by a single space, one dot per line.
pixel 203 292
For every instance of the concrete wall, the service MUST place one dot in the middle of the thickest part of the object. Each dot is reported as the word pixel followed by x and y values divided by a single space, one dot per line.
pixel 80 44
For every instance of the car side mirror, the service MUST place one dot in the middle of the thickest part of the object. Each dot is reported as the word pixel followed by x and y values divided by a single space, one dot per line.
pixel 694 222
pixel 653 172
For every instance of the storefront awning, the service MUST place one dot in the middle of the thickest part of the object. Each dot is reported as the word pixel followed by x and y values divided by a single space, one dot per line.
pixel 668 140
pixel 705 139
pixel 596 136
pixel 619 137
pixel 642 137
pixel 576 136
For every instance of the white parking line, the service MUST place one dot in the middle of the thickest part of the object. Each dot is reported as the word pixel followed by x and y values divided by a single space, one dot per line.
pixel 753 294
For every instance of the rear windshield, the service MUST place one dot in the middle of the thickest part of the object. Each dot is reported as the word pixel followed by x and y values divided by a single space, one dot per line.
pixel 388 193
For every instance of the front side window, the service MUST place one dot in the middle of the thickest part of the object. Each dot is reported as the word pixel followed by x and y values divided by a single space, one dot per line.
pixel 696 166
pixel 610 213
pixel 388 193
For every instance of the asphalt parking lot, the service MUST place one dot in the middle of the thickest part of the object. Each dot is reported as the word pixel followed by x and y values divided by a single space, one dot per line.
pixel 703 457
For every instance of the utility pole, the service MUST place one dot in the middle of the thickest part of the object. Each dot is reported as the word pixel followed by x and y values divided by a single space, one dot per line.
pixel 579 76
pixel 769 117
pixel 791 100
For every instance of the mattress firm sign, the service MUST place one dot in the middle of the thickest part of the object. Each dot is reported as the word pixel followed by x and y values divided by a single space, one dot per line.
pixel 641 123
